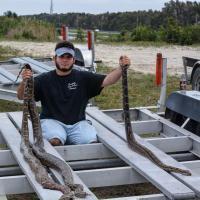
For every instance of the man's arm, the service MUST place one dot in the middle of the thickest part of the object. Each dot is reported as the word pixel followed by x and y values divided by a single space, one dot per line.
pixel 20 90
pixel 115 75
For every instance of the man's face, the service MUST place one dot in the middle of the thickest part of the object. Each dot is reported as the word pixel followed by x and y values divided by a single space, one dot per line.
pixel 65 62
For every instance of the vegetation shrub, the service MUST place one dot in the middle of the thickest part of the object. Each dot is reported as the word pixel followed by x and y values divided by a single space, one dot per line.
pixel 80 35
pixel 143 33
pixel 195 33
pixel 13 27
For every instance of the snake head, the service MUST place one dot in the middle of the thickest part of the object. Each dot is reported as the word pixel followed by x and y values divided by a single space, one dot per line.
pixel 69 196
pixel 27 66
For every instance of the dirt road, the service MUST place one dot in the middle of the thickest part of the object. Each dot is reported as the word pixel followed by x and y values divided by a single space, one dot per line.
pixel 143 58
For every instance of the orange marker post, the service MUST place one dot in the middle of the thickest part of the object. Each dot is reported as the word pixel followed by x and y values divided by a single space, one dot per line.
pixel 89 39
pixel 63 32
pixel 159 69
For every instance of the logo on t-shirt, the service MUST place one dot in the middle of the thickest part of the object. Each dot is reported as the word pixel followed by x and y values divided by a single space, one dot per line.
pixel 72 86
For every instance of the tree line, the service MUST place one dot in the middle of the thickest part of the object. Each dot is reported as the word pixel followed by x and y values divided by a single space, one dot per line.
pixel 184 13
pixel 178 23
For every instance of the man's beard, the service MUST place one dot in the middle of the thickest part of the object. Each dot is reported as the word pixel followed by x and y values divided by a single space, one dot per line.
pixel 63 70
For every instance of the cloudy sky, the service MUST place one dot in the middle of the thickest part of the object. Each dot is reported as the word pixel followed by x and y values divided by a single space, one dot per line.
pixel 23 7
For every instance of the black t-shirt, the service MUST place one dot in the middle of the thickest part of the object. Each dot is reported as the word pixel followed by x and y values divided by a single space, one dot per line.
pixel 65 98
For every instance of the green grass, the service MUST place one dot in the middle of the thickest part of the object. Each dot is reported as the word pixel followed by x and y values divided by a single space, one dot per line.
pixel 7 52
pixel 135 43
pixel 142 43
pixel 9 106
pixel 142 90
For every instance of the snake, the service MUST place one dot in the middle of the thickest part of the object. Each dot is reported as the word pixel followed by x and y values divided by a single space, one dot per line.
pixel 131 140
pixel 35 154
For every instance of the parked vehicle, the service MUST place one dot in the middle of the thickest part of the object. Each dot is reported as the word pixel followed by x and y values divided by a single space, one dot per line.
pixel 192 75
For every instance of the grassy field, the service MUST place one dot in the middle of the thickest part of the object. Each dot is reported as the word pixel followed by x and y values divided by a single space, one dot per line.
pixel 6 52
pixel 142 90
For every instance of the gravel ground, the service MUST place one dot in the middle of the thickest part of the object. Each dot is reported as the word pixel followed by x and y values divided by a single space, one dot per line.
pixel 105 192
pixel 143 58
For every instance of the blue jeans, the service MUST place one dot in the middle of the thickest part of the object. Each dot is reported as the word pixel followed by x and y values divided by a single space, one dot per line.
pixel 80 133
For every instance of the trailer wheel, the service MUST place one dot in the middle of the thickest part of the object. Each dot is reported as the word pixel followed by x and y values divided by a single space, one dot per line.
pixel 196 80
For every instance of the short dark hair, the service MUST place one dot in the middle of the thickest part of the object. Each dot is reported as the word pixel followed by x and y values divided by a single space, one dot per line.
pixel 64 44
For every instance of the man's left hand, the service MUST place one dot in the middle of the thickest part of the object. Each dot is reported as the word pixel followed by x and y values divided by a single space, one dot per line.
pixel 124 61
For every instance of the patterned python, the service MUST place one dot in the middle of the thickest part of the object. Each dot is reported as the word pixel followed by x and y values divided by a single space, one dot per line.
pixel 36 155
pixel 132 142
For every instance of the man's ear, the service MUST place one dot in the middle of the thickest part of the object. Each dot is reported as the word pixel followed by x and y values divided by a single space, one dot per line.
pixel 73 60
pixel 54 58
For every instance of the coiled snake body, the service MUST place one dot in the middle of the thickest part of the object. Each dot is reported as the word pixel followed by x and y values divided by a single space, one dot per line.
pixel 36 155
pixel 132 142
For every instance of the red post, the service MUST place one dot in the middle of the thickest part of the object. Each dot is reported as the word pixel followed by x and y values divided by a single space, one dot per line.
pixel 159 69
pixel 89 39
pixel 63 32
pixel 66 33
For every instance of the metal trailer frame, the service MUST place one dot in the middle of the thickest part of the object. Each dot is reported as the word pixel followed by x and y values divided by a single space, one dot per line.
pixel 110 162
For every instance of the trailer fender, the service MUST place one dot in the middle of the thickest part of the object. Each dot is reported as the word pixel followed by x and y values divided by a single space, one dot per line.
pixel 195 77
pixel 185 103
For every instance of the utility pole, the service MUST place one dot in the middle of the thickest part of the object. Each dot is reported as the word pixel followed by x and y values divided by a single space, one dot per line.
pixel 196 19
pixel 51 7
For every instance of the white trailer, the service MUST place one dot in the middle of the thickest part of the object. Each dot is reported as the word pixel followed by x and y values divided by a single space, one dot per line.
pixel 109 162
